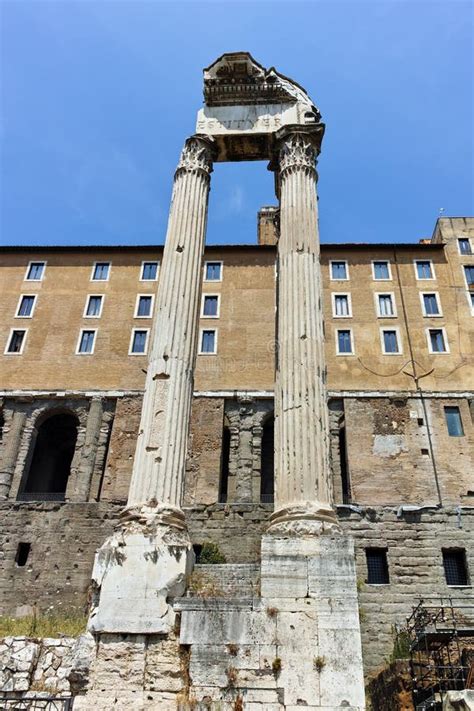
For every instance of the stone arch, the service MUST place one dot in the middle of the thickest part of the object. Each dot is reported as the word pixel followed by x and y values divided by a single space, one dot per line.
pixel 267 460
pixel 52 448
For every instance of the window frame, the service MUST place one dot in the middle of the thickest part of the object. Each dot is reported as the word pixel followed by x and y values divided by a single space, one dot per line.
pixel 109 271
pixel 464 272
pixel 349 304
pixel 454 407
pixel 470 301
pixel 470 241
pixel 86 305
pixel 147 340
pixel 345 353
pixel 466 567
pixel 438 301
pixel 339 261
pixel 374 262
pixel 221 271
pixel 142 267
pixel 35 261
pixel 203 300
pixel 432 269
pixel 10 336
pixel 137 303
pixel 216 337
pixel 383 550
pixel 22 296
pixel 377 304
pixel 399 341
pixel 86 353
pixel 445 339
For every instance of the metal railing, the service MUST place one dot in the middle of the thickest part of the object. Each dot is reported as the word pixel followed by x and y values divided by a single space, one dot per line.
pixel 11 702
pixel 41 496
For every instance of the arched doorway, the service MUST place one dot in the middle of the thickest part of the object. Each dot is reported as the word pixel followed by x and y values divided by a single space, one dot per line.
pixel 267 474
pixel 51 459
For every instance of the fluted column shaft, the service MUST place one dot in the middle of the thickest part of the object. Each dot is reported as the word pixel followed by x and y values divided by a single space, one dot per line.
pixel 303 486
pixel 158 471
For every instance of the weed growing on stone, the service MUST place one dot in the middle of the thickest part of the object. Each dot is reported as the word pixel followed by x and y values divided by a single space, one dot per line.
pixel 319 663
pixel 231 673
pixel 276 666
pixel 233 649
pixel 272 611
pixel 211 555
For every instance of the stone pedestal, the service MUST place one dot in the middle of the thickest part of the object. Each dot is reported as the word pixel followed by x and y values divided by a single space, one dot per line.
pixel 138 571
pixel 311 582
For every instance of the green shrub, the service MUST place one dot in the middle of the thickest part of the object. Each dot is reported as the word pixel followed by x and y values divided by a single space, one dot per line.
pixel 401 644
pixel 211 555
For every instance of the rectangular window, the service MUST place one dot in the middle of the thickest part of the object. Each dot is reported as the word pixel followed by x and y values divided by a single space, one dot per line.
pixel 138 343
pixel 341 305
pixel 454 421
pixel 436 340
pixel 86 342
pixel 149 271
pixel 377 566
pixel 208 341
pixel 471 301
pixel 385 305
pixel 455 567
pixel 464 244
pixel 100 271
pixel 430 305
pixel 339 271
pixel 210 306
pixel 35 271
pixel 469 274
pixel 344 341
pixel 390 344
pixel 94 306
pixel 26 306
pixel 424 269
pixel 213 271
pixel 16 342
pixel 144 306
pixel 381 270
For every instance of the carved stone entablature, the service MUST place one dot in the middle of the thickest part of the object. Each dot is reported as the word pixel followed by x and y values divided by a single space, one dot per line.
pixel 236 78
pixel 196 156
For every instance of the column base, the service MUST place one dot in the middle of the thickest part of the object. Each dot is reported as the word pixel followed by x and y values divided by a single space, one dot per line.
pixel 306 518
pixel 145 563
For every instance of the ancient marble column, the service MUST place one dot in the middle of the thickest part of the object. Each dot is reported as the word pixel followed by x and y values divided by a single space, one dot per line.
pixel 158 471
pixel 10 453
pixel 303 490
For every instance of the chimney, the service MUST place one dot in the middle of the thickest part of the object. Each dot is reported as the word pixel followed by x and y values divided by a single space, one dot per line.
pixel 268 225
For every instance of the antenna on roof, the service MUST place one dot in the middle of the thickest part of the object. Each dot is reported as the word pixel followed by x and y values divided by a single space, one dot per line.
pixel 441 211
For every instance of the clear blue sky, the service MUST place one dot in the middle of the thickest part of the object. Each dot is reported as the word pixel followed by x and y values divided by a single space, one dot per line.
pixel 98 97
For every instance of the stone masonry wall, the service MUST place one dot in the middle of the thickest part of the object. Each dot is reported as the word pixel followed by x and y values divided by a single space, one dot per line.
pixel 36 664
pixel 63 538
pixel 414 543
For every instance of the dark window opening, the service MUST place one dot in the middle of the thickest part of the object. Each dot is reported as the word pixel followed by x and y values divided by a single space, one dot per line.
pixel 377 566
pixel 51 461
pixel 197 548
pixel 420 421
pixel 455 567
pixel 346 486
pixel 22 553
pixel 2 425
pixel 425 452
pixel 267 463
pixel 225 459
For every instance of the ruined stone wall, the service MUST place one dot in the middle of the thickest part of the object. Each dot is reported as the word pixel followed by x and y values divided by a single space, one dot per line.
pixel 37 665
pixel 389 453
pixel 414 543
pixel 63 538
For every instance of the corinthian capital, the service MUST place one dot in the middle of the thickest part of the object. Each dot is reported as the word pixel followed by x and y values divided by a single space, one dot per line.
pixel 298 147
pixel 197 156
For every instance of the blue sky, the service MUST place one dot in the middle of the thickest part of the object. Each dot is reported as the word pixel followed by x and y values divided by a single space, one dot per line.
pixel 98 97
